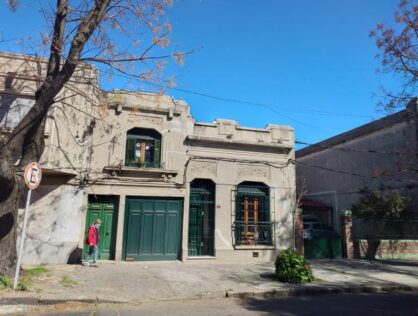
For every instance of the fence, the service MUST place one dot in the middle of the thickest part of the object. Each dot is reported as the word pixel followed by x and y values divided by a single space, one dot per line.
pixel 378 238
pixel 378 228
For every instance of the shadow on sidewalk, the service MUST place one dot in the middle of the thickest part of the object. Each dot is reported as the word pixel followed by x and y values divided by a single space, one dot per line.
pixel 367 266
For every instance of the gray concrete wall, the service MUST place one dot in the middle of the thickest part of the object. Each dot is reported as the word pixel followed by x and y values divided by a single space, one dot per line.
pixel 360 167
pixel 54 225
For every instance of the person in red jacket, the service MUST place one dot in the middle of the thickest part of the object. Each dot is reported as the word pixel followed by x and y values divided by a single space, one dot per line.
pixel 92 240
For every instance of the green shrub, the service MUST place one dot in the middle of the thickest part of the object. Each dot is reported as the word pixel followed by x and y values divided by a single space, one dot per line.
pixel 292 268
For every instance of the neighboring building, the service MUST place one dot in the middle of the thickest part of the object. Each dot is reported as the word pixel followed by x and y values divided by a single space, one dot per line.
pixel 382 154
pixel 166 187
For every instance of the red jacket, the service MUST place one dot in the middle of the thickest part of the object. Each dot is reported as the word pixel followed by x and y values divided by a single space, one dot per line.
pixel 92 237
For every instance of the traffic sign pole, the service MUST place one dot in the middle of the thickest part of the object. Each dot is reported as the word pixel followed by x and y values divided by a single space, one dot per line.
pixel 32 176
pixel 22 240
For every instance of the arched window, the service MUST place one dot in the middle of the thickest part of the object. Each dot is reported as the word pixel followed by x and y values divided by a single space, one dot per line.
pixel 143 148
pixel 252 214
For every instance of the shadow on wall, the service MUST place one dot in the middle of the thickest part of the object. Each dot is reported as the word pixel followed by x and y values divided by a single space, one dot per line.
pixel 376 248
pixel 14 107
pixel 75 256
pixel 6 224
pixel 365 249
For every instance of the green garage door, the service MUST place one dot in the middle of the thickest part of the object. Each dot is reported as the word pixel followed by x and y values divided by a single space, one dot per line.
pixel 152 229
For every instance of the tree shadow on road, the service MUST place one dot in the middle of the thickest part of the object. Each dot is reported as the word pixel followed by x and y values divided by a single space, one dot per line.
pixel 343 304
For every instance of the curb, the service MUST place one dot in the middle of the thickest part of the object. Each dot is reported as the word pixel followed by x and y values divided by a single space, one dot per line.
pixel 37 300
pixel 304 290
pixel 307 290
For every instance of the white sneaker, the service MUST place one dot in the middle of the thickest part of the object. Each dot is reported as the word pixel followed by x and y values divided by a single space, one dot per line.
pixel 86 264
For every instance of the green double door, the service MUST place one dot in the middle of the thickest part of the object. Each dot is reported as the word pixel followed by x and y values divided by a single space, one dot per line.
pixel 152 228
pixel 105 208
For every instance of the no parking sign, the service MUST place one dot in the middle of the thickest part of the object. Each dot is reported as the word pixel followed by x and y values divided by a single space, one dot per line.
pixel 33 175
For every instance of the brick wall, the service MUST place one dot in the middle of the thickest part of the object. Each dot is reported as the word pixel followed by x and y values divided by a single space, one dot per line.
pixel 347 234
pixel 386 249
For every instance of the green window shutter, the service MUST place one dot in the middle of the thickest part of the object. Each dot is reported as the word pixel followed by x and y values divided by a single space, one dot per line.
pixel 130 150
pixel 157 152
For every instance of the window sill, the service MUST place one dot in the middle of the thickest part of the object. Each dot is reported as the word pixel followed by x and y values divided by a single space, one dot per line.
pixel 201 257
pixel 127 169
pixel 255 247
pixel 54 171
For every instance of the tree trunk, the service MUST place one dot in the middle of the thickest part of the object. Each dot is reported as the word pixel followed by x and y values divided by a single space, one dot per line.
pixel 23 145
pixel 9 204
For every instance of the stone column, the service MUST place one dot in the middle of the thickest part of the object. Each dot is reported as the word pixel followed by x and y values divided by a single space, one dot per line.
pixel 347 234
pixel 299 231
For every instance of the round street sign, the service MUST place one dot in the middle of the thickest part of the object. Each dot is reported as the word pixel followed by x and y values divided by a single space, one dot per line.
pixel 33 175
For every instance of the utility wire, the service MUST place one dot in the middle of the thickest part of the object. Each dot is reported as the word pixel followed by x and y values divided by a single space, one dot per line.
pixel 397 153
pixel 245 102
pixel 350 173
pixel 233 100
pixel 407 186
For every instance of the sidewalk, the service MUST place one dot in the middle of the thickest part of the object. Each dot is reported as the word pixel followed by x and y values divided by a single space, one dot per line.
pixel 147 281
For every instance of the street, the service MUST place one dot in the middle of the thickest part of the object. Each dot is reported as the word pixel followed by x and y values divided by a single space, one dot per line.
pixel 405 303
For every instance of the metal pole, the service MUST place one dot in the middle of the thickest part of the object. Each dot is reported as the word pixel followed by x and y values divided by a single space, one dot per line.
pixel 22 240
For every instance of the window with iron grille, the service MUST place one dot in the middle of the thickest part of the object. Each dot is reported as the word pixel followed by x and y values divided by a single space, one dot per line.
pixel 143 148
pixel 252 214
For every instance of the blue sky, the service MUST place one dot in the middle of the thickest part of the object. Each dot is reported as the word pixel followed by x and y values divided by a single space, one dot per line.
pixel 309 64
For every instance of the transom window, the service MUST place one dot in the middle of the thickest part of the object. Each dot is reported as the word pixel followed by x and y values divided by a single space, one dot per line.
pixel 252 216
pixel 143 148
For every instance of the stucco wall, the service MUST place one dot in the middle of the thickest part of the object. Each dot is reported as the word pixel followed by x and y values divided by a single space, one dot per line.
pixel 392 165
pixel 54 225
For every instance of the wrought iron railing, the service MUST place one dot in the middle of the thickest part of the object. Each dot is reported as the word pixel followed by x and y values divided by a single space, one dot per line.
pixel 252 233
pixel 378 228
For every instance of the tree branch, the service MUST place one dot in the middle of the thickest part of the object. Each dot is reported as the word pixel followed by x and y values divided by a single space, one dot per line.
pixel 57 42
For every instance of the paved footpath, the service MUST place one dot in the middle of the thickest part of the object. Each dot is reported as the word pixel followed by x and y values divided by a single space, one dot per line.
pixel 157 281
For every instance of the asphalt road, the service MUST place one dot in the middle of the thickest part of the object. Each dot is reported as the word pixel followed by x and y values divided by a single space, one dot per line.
pixel 393 304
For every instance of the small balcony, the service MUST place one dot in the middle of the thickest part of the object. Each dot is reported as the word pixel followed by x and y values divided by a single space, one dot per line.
pixel 252 234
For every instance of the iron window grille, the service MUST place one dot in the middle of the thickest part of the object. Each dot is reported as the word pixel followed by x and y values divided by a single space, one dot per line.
pixel 143 148
pixel 252 225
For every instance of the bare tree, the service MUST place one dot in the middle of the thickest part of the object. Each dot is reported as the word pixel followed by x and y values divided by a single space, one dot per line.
pixel 297 203
pixel 398 47
pixel 81 31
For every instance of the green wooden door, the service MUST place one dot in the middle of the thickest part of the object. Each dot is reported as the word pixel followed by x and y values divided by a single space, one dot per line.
pixel 105 208
pixel 152 229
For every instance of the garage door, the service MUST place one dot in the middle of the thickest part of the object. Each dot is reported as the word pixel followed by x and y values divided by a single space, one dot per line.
pixel 152 229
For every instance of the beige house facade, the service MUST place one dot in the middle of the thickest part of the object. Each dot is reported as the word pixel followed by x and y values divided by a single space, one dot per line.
pixel 165 186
